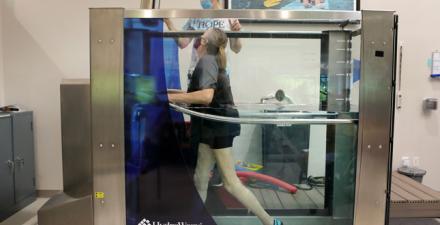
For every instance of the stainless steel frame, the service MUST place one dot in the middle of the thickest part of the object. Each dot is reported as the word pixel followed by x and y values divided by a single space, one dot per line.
pixel 375 132
pixel 282 15
pixel 379 30
pixel 150 4
pixel 77 160
pixel 106 46
pixel 76 139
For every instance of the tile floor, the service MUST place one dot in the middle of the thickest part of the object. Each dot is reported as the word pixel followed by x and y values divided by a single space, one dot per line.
pixel 415 222
pixel 28 216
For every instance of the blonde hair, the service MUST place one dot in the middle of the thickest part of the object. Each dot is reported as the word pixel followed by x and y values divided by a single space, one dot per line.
pixel 219 41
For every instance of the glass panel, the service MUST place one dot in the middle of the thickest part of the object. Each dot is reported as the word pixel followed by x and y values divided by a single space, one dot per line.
pixel 278 140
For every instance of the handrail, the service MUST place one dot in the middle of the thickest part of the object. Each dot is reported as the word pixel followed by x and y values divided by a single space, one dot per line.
pixel 291 114
pixel 247 34
pixel 282 122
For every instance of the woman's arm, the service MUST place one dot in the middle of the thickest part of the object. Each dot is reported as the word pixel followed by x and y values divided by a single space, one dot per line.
pixel 235 42
pixel 203 97
pixel 182 42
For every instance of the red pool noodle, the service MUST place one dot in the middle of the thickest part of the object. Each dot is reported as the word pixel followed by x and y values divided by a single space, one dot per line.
pixel 272 180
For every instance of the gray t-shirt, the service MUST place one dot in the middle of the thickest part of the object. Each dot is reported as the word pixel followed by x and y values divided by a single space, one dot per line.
pixel 207 74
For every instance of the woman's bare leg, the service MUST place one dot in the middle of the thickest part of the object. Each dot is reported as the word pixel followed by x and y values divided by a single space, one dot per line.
pixel 318 3
pixel 306 3
pixel 205 163
pixel 234 186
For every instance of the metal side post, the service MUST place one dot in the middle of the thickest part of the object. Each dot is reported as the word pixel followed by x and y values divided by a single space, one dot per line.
pixel 106 43
pixel 376 116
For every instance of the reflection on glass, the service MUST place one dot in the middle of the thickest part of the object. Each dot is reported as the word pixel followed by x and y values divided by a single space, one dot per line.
pixel 250 139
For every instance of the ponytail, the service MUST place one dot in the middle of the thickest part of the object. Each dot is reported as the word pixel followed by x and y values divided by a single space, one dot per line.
pixel 217 45
pixel 221 58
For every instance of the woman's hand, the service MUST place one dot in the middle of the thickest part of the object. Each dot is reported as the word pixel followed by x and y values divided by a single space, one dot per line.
pixel 235 24
pixel 182 42
pixel 169 24
pixel 171 98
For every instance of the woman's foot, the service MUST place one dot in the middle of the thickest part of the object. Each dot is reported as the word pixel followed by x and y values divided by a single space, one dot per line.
pixel 277 222
pixel 308 5
pixel 320 6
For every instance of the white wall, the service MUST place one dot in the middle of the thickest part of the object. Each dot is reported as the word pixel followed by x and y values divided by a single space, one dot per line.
pixel 43 43
pixel 417 133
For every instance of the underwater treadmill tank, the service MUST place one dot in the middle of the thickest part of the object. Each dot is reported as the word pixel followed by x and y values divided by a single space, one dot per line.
pixel 305 116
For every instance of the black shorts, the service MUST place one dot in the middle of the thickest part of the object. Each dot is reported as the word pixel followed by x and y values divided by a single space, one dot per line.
pixel 218 142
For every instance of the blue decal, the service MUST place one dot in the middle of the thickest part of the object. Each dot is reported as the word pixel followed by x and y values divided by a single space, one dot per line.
pixel 159 180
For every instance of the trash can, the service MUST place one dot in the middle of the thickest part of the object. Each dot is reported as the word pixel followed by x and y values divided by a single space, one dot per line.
pixel 413 173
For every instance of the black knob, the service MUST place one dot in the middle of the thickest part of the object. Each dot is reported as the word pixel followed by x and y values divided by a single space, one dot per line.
pixel 279 95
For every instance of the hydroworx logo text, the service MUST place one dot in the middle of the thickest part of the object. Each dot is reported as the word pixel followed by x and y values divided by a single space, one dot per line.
pixel 149 222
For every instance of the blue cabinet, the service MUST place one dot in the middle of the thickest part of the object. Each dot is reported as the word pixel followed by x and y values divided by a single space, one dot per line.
pixel 17 186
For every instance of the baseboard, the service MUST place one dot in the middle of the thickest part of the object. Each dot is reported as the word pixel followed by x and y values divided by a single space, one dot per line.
pixel 47 193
